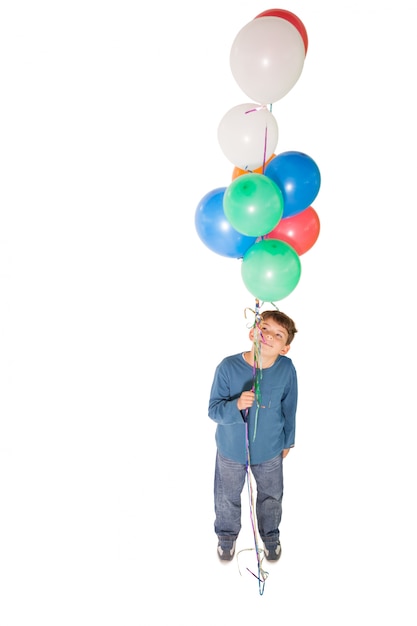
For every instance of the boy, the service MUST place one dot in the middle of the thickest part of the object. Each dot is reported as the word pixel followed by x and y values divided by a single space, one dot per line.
pixel 253 401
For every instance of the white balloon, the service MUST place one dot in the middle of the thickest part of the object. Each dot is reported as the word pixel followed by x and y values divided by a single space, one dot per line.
pixel 267 58
pixel 248 135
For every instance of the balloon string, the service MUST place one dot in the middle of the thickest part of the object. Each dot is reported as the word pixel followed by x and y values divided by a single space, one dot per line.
pixel 257 363
pixel 255 312
pixel 262 575
pixel 259 108
pixel 264 160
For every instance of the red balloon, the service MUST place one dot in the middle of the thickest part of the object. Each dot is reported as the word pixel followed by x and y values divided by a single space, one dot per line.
pixel 290 17
pixel 300 231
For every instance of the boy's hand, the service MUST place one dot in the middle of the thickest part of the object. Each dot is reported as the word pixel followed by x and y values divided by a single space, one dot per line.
pixel 285 452
pixel 246 400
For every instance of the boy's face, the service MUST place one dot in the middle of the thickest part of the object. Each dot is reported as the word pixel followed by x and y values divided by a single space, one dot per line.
pixel 272 338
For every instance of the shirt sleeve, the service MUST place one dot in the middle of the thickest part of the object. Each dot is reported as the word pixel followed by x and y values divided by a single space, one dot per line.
pixel 222 406
pixel 289 409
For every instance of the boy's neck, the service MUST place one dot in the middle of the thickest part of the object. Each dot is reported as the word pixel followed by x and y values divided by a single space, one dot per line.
pixel 250 359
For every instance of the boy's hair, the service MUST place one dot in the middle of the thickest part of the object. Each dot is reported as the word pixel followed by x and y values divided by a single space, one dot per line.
pixel 283 320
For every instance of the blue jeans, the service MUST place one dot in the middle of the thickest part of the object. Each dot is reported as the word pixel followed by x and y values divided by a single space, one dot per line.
pixel 229 479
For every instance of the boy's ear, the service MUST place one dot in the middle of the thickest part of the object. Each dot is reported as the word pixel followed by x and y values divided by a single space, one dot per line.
pixel 285 349
pixel 251 334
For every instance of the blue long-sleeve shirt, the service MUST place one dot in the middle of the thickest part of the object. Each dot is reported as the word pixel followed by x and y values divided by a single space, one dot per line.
pixel 275 420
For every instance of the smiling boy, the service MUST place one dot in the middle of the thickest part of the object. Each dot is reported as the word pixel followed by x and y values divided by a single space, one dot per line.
pixel 254 390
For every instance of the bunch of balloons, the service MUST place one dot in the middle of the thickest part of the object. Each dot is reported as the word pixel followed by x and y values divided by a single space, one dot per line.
pixel 264 216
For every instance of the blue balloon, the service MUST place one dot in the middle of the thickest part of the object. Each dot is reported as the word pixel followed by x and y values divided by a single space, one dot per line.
pixel 298 177
pixel 215 230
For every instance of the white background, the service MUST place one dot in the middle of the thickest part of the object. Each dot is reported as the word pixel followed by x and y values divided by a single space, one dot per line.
pixel 114 315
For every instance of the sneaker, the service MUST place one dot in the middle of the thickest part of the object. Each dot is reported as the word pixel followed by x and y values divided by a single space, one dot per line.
pixel 272 553
pixel 226 554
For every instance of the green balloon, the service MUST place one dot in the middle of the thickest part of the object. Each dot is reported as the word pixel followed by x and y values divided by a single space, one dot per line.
pixel 271 269
pixel 253 204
